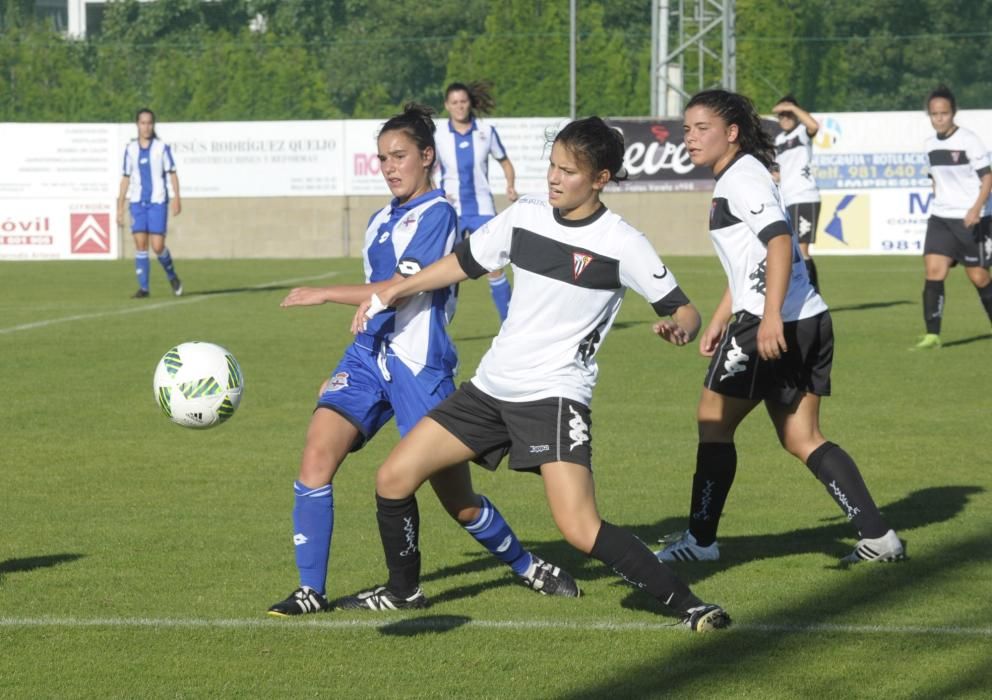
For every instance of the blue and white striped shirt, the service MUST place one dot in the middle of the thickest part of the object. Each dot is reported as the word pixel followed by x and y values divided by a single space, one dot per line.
pixel 147 168
pixel 464 160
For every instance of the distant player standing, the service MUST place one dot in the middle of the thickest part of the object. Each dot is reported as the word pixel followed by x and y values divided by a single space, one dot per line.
pixel 770 338
pixel 959 229
pixel 463 149
pixel 794 155
pixel 147 162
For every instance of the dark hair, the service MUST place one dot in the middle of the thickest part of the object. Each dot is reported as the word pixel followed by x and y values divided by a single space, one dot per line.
pixel 738 109
pixel 479 93
pixel 145 110
pixel 415 121
pixel 597 144
pixel 789 99
pixel 942 92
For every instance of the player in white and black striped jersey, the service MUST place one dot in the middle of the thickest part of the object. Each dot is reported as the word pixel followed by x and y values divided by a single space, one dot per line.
pixel 572 260
pixel 770 338
pixel 959 230
pixel 794 156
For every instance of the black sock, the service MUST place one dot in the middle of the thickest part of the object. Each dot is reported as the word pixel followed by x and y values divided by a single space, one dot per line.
pixel 716 465
pixel 933 305
pixel 838 472
pixel 399 528
pixel 628 556
pixel 811 271
pixel 985 294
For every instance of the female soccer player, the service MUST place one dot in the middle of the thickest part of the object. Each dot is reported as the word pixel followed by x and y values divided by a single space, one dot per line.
pixel 147 161
pixel 959 229
pixel 401 365
pixel 572 259
pixel 463 150
pixel 770 338
pixel 794 155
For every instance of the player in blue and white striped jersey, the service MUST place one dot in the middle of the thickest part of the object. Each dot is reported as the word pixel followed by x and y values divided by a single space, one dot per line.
pixel 959 230
pixel 147 162
pixel 401 366
pixel 770 339
pixel 464 146
pixel 794 156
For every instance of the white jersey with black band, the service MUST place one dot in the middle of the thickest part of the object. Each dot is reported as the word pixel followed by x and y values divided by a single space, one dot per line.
pixel 957 163
pixel 745 214
pixel 794 155
pixel 569 280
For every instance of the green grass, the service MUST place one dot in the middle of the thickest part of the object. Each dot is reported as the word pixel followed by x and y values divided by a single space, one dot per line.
pixel 137 558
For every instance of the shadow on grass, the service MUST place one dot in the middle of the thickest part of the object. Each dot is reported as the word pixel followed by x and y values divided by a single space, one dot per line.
pixel 241 290
pixel 835 539
pixel 25 564
pixel 804 628
pixel 966 341
pixel 869 305
pixel 428 624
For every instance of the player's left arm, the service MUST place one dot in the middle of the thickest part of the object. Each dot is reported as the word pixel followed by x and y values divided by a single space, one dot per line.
pixel 975 212
pixel 177 206
pixel 511 176
pixel 778 271
pixel 804 117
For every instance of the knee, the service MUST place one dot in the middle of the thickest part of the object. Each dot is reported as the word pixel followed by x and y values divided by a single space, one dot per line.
pixel 391 481
pixel 581 535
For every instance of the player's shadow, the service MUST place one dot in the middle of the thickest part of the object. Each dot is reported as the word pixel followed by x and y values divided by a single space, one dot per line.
pixel 965 341
pixel 427 624
pixel 869 305
pixel 786 634
pixel 918 509
pixel 25 564
pixel 240 290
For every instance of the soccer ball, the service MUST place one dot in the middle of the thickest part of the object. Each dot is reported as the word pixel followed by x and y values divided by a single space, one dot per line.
pixel 198 385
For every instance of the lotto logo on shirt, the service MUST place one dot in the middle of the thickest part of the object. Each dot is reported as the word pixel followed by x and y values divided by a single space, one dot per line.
pixel 90 233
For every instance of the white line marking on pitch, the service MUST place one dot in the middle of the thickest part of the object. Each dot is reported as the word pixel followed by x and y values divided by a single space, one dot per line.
pixel 448 622
pixel 152 307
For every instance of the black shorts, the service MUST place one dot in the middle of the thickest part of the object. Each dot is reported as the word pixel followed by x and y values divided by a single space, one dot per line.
pixel 737 371
pixel 805 217
pixel 971 247
pixel 531 432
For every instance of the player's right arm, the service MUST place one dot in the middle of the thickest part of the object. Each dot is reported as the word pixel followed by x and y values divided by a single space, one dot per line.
pixel 710 338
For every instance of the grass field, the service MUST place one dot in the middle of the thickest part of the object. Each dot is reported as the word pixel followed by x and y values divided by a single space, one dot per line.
pixel 137 558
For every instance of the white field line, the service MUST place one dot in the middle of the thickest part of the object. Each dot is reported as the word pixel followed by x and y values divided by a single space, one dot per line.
pixel 453 622
pixel 152 307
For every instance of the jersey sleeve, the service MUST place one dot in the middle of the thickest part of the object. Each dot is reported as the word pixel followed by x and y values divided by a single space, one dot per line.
pixel 432 241
pixel 488 248
pixel 978 156
pixel 496 148
pixel 754 202
pixel 643 271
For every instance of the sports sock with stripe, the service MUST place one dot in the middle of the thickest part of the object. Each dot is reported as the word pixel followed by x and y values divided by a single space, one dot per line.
pixel 165 259
pixel 142 268
pixel 933 305
pixel 313 523
pixel 494 533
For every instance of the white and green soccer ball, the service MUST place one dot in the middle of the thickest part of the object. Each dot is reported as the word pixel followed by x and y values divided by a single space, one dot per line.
pixel 198 385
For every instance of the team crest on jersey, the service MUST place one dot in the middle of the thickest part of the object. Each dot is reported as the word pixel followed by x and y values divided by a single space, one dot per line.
pixel 580 261
pixel 955 156
pixel 338 382
pixel 409 220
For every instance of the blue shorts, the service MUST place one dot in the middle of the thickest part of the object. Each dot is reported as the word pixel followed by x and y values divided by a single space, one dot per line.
pixel 468 224
pixel 149 218
pixel 367 397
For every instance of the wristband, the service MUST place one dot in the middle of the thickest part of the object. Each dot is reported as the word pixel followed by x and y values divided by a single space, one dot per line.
pixel 375 307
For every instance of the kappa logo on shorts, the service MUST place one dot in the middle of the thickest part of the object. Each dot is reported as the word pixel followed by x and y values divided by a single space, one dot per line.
pixel 578 430
pixel 538 449
pixel 338 382
pixel 736 360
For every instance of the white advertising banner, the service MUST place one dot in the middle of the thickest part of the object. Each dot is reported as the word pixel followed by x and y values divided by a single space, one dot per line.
pixel 872 172
pixel 254 159
pixel 58 183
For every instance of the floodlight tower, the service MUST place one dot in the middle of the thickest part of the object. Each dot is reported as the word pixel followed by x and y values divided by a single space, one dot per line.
pixel 693 47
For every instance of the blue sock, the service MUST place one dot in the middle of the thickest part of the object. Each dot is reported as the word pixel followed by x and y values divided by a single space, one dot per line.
pixel 166 260
pixel 141 268
pixel 493 533
pixel 313 522
pixel 501 291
